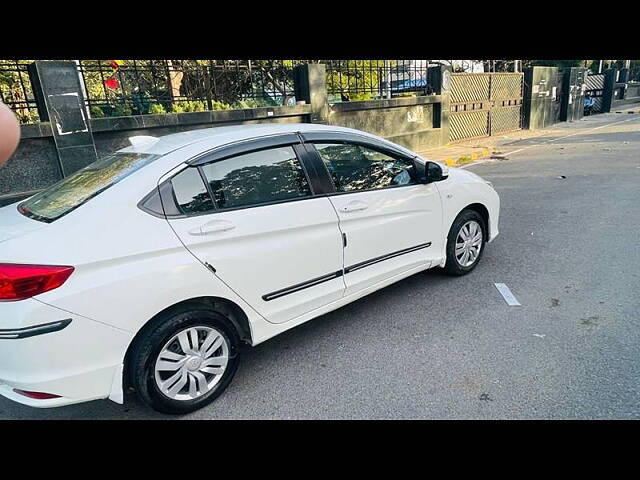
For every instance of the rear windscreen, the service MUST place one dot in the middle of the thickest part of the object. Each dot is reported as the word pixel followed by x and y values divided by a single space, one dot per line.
pixel 73 191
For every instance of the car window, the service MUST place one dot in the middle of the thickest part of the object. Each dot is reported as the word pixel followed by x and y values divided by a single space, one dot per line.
pixel 81 186
pixel 355 167
pixel 190 192
pixel 258 177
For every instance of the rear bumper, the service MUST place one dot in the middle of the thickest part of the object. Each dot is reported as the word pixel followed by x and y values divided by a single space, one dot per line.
pixel 77 362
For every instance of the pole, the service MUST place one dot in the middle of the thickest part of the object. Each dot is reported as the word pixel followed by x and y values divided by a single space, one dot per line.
pixel 83 89
pixel 387 78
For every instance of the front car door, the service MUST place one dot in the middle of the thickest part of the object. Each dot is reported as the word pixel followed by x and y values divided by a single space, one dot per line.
pixel 390 221
pixel 256 217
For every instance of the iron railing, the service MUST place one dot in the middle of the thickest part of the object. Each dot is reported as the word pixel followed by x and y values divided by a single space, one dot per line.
pixel 135 87
pixel 349 80
pixel 138 87
pixel 16 91
pixel 157 86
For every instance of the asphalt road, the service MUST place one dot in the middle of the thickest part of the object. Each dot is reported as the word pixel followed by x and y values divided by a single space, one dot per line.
pixel 432 346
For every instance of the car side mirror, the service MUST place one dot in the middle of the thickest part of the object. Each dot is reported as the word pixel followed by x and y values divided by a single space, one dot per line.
pixel 437 172
pixel 429 172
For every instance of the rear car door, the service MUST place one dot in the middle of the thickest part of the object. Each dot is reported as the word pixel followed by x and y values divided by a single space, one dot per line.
pixel 391 222
pixel 255 214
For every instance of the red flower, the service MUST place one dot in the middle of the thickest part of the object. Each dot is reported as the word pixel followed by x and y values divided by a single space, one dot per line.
pixel 112 82
pixel 114 64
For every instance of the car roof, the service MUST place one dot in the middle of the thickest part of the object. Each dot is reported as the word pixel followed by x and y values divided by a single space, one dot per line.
pixel 223 135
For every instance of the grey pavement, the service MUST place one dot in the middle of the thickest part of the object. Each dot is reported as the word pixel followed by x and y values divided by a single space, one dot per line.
pixel 433 346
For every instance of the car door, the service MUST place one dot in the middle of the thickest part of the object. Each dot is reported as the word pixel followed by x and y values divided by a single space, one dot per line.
pixel 391 222
pixel 263 225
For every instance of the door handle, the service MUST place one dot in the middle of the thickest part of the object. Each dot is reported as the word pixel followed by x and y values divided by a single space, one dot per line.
pixel 212 227
pixel 354 207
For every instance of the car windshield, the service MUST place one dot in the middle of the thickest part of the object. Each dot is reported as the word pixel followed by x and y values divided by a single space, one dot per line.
pixel 81 186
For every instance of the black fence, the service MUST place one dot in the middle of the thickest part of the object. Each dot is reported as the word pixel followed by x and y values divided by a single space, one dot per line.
pixel 139 87
pixel 157 86
pixel 136 87
pixel 16 91
pixel 352 80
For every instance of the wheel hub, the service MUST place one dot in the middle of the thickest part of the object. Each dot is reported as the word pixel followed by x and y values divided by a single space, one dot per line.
pixel 468 243
pixel 192 363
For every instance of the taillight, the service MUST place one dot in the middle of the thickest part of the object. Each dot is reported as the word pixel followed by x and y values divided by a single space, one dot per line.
pixel 18 282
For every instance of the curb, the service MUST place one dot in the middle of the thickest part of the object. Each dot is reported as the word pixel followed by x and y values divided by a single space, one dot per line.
pixel 465 159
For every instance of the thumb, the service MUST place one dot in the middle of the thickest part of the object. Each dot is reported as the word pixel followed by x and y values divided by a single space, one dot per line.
pixel 9 133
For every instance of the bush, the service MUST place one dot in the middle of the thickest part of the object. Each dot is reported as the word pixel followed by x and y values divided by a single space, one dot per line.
pixel 156 108
pixel 122 111
pixel 194 106
pixel 177 108
pixel 96 112
pixel 141 102
pixel 221 106
pixel 198 106
pixel 253 103
pixel 359 97
pixel 247 103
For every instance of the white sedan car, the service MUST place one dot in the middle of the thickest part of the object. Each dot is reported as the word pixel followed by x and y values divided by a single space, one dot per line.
pixel 151 267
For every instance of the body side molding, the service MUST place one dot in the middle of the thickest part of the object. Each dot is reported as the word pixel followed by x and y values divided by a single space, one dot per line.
pixel 330 276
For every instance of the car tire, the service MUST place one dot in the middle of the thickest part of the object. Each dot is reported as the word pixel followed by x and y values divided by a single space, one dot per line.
pixel 159 357
pixel 458 264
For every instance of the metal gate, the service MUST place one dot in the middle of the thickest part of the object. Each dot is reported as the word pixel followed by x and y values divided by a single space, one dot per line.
pixel 484 104
pixel 595 88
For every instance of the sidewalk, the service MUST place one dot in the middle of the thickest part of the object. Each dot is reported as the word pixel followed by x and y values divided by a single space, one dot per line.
pixel 463 152
pixel 468 151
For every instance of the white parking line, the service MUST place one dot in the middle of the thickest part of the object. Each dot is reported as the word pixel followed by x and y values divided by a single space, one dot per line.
pixel 507 295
